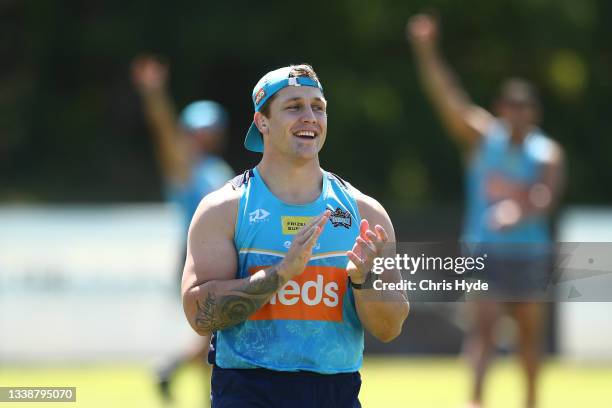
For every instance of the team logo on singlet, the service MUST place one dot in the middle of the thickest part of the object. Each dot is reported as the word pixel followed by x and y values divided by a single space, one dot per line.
pixel 340 218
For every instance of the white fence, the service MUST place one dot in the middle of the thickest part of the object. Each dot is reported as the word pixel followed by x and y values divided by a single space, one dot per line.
pixel 585 328
pixel 90 283
pixel 98 283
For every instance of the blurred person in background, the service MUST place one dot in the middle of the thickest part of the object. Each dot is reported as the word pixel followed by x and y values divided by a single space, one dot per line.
pixel 188 148
pixel 513 181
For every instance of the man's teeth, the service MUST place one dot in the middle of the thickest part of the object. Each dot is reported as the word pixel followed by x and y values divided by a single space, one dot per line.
pixel 305 133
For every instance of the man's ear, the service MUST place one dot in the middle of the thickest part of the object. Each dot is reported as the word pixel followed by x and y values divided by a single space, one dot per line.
pixel 261 122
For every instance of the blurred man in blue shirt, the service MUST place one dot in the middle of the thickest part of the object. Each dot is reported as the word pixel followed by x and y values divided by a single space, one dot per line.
pixel 513 180
pixel 187 149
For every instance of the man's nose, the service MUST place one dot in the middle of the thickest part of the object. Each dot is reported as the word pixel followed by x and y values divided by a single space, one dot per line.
pixel 309 115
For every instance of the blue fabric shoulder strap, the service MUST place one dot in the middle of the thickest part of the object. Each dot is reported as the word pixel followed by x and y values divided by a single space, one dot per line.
pixel 339 180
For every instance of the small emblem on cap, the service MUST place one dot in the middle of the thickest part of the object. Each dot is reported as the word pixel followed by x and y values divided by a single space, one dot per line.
pixel 259 96
pixel 293 81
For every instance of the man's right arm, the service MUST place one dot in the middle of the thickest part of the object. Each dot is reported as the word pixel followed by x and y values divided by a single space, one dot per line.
pixel 150 78
pixel 463 119
pixel 213 299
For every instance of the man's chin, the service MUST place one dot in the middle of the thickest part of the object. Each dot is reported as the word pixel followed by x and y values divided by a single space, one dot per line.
pixel 306 152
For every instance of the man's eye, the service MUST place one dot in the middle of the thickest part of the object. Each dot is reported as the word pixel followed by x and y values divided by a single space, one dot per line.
pixel 293 107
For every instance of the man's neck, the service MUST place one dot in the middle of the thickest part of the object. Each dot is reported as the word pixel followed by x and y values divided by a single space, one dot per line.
pixel 518 135
pixel 294 182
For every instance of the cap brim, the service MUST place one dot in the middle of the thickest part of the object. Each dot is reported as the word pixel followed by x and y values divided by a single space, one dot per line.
pixel 254 140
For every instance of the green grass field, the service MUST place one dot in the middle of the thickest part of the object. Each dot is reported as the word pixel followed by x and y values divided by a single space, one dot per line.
pixel 387 382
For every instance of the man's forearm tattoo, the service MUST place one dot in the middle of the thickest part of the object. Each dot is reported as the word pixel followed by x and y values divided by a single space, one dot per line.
pixel 218 311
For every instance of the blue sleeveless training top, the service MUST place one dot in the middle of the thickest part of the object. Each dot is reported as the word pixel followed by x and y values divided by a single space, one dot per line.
pixel 206 175
pixel 311 323
pixel 522 163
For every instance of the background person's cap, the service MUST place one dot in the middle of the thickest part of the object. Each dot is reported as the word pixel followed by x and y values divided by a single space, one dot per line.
pixel 201 115
pixel 267 86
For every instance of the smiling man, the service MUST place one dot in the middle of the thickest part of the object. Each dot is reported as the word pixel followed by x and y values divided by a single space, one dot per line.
pixel 279 263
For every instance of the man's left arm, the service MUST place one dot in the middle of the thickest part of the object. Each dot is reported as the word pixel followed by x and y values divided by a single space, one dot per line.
pixel 382 312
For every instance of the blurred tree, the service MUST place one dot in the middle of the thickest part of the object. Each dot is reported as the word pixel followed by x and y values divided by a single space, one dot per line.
pixel 71 130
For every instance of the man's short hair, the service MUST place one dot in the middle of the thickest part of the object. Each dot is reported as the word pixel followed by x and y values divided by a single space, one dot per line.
pixel 301 70
pixel 519 90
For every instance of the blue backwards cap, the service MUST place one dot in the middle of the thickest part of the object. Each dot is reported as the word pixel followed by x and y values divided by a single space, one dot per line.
pixel 267 86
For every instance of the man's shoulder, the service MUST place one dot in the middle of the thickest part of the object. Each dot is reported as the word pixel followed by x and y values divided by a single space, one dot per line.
pixel 368 206
pixel 218 209
pixel 545 149
pixel 221 199
pixel 373 211
pixel 555 148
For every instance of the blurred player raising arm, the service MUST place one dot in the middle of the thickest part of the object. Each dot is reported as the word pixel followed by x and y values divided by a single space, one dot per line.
pixel 468 123
pixel 188 147
pixel 150 76
pixel 513 180
pixel 463 119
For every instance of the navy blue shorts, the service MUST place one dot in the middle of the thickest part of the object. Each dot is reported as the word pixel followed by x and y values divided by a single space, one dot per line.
pixel 260 388
pixel 517 280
